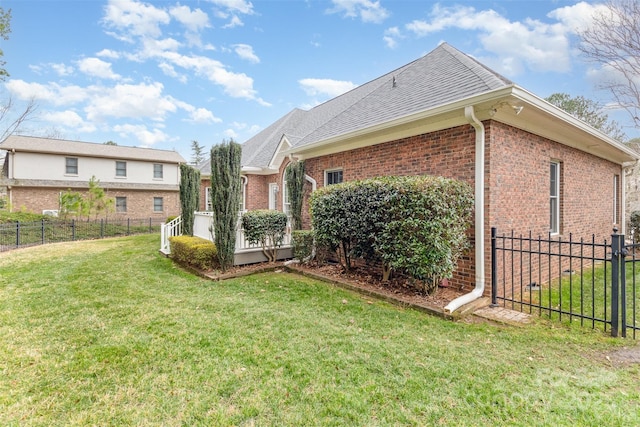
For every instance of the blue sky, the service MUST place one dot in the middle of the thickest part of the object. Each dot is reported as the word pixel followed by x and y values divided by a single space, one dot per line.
pixel 163 73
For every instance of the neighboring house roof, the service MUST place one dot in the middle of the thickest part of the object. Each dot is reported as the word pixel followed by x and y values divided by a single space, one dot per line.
pixel 427 94
pixel 33 144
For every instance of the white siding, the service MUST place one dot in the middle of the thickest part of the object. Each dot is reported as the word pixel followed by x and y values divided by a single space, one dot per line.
pixel 53 167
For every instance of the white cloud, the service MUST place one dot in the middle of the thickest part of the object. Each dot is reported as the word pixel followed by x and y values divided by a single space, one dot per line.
pixel 62 70
pixel 97 68
pixel 108 53
pixel 245 51
pixel 366 10
pixel 194 20
pixel 230 133
pixel 52 92
pixel 391 37
pixel 332 88
pixel 531 43
pixel 130 101
pixel 69 119
pixel 135 18
pixel 147 137
pixel 234 22
pixel 578 16
pixel 235 6
pixel 202 115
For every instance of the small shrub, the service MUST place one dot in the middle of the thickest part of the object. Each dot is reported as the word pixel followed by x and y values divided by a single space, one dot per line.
pixel 634 225
pixel 194 252
pixel 302 244
pixel 267 228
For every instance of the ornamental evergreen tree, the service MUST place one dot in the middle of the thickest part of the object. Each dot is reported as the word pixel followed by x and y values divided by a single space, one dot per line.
pixel 226 187
pixel 189 196
pixel 294 175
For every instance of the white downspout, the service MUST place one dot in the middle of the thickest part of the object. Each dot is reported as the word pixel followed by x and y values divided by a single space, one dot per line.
pixel 623 196
pixel 478 291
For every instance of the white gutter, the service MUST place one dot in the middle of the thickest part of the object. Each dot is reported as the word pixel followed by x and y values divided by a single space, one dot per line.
pixel 313 182
pixel 479 216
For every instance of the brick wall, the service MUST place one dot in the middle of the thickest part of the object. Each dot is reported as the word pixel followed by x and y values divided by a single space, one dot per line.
pixel 139 203
pixel 516 181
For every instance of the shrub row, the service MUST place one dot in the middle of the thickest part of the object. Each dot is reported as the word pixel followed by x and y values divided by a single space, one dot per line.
pixel 416 225
pixel 194 251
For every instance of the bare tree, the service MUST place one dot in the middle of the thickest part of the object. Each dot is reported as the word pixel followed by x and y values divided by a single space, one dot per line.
pixel 10 125
pixel 613 41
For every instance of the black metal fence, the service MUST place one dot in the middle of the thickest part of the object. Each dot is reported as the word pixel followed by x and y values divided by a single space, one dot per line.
pixel 586 281
pixel 20 234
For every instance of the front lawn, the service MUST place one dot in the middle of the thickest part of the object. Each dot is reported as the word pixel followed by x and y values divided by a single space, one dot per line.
pixel 109 332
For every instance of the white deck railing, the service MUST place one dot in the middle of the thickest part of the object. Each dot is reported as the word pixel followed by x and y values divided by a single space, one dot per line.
pixel 170 229
pixel 203 227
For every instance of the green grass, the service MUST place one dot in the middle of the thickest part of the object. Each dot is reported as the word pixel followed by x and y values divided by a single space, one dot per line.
pixel 584 294
pixel 109 332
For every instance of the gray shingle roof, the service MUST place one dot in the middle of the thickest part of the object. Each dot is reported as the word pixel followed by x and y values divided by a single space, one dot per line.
pixel 88 149
pixel 443 76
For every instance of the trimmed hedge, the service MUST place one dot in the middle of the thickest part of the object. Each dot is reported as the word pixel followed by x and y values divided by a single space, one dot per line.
pixel 194 252
pixel 415 225
pixel 267 228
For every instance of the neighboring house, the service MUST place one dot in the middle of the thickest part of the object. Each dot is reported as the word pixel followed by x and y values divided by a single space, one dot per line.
pixel 144 182
pixel 534 167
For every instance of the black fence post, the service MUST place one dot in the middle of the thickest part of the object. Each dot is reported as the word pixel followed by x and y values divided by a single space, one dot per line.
pixel 42 231
pixel 17 233
pixel 101 228
pixel 128 226
pixel 615 277
pixel 73 229
pixel 494 269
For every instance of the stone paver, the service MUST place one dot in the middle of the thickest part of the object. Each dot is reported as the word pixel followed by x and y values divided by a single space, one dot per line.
pixel 504 315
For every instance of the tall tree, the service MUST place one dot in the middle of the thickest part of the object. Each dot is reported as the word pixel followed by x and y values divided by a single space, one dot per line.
pixel 226 193
pixel 294 175
pixel 5 29
pixel 613 41
pixel 189 196
pixel 7 107
pixel 588 111
pixel 197 152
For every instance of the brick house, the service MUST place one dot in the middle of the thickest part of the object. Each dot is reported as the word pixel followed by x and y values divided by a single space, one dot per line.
pixel 533 166
pixel 144 182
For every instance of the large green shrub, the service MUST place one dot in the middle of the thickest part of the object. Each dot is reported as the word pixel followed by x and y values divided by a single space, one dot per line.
pixel 266 228
pixel 193 251
pixel 416 225
pixel 226 193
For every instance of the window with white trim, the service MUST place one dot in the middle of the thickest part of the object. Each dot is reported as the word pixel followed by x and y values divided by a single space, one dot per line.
pixel 121 204
pixel 158 204
pixel 121 169
pixel 333 176
pixel 554 197
pixel 158 171
pixel 71 165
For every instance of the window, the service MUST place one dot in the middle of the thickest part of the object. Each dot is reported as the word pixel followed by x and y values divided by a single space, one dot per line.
pixel 158 204
pixel 286 205
pixel 157 171
pixel 121 204
pixel 333 177
pixel 616 199
pixel 71 165
pixel 273 195
pixel 121 168
pixel 554 198
pixel 207 199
